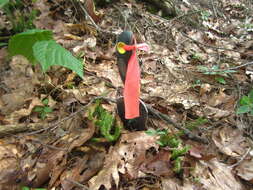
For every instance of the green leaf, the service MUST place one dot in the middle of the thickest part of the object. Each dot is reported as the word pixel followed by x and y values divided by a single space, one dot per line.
pixel 38 109
pixel 43 115
pixel 25 188
pixel 22 43
pixel 3 3
pixel 251 96
pixel 2 44
pixel 243 109
pixel 177 165
pixel 251 112
pixel 45 101
pixel 47 109
pixel 179 152
pixel 221 80
pixel 49 53
pixel 151 132
pixel 245 100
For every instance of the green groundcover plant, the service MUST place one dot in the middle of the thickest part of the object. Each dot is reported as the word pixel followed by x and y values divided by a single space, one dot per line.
pixel 246 104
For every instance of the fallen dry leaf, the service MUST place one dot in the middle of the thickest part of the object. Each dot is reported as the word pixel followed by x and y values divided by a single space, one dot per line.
pixel 214 175
pixel 158 165
pixel 174 184
pixel 10 171
pixel 245 170
pixel 20 90
pixel 83 169
pixel 230 141
pixel 126 158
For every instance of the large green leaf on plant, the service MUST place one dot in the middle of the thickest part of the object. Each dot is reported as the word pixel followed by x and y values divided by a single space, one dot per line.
pixel 3 2
pixel 22 43
pixel 49 53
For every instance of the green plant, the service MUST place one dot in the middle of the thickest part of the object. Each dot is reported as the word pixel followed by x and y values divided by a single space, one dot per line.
pixel 246 104
pixel 109 128
pixel 215 70
pixel 196 56
pixel 27 188
pixel 205 15
pixel 220 80
pixel 196 123
pixel 20 17
pixel 174 143
pixel 43 110
pixel 38 46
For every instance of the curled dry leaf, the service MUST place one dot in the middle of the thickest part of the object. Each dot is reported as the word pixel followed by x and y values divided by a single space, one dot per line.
pixel 19 90
pixel 245 170
pixel 217 99
pixel 126 158
pixel 90 7
pixel 158 165
pixel 214 175
pixel 230 141
pixel 83 169
pixel 9 165
pixel 216 113
pixel 174 184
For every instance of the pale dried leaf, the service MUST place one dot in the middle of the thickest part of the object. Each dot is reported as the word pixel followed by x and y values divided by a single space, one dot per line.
pixel 125 157
pixel 245 170
pixel 214 175
pixel 230 141
pixel 174 184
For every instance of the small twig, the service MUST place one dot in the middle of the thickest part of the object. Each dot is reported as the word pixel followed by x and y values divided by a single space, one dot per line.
pixel 53 126
pixel 242 158
pixel 209 46
pixel 89 17
pixel 166 118
pixel 187 132
pixel 239 66
pixel 180 16
pixel 229 68
pixel 78 184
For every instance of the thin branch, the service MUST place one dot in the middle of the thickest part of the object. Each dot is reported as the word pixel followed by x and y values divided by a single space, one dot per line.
pixel 55 125
pixel 242 158
pixel 209 46
pixel 166 118
pixel 77 184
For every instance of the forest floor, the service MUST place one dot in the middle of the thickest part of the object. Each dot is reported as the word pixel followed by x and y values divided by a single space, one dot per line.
pixel 199 67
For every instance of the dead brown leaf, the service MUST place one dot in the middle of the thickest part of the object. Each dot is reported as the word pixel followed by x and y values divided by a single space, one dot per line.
pixel 245 170
pixel 126 158
pixel 214 175
pixel 83 169
pixel 174 184
pixel 158 165
pixel 230 141
pixel 8 163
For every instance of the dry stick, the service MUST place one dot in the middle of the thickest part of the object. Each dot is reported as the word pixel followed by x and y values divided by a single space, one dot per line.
pixel 209 46
pixel 89 17
pixel 230 68
pixel 12 129
pixel 77 184
pixel 242 158
pixel 166 118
